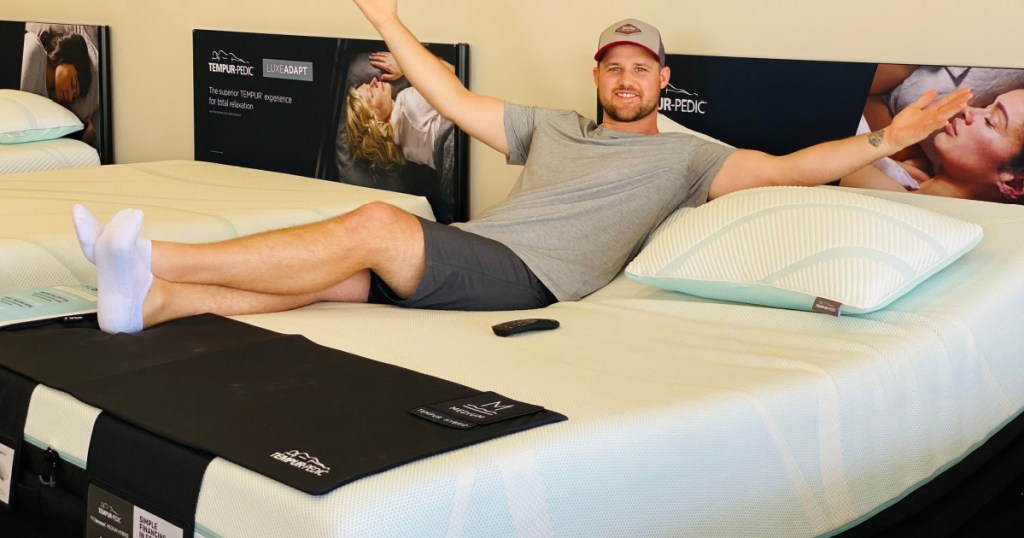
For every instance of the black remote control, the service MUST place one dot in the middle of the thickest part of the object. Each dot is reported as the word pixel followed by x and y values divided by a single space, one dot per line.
pixel 517 326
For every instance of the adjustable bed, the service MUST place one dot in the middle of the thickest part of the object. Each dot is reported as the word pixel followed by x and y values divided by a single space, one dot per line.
pixel 685 415
pixel 665 413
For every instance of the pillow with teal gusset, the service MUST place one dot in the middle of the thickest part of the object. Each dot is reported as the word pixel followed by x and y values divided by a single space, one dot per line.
pixel 27 117
pixel 802 248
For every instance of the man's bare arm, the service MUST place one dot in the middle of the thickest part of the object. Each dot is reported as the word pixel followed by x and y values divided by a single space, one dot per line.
pixel 829 161
pixel 479 116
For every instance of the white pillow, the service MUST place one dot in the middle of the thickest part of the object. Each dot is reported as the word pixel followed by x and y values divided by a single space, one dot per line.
pixel 27 117
pixel 803 248
pixel 667 125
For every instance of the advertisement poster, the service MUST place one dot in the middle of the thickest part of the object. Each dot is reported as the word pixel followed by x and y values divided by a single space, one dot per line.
pixel 330 108
pixel 780 106
pixel 65 63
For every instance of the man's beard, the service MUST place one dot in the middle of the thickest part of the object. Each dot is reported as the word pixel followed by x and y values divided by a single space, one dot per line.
pixel 641 111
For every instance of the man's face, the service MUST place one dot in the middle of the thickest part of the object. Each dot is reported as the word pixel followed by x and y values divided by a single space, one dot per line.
pixel 629 82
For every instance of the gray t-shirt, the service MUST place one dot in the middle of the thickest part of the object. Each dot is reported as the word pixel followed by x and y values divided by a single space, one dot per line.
pixel 589 196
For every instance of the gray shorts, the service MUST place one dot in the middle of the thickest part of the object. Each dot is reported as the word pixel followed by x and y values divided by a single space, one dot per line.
pixel 466 271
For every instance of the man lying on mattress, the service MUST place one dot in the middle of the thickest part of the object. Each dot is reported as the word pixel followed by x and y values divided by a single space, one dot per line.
pixel 586 199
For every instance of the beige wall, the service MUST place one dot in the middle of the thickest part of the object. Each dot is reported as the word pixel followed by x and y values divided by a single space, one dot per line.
pixel 529 51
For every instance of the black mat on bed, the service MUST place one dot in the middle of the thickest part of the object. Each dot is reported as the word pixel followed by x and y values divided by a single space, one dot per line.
pixel 306 415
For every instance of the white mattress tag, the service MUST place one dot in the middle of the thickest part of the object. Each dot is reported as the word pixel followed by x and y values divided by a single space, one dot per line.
pixel 6 473
pixel 148 525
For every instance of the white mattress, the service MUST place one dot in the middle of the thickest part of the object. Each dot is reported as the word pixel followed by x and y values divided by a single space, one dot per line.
pixel 183 201
pixel 686 416
pixel 46 155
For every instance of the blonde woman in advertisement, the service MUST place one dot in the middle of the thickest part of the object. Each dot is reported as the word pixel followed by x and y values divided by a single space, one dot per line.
pixel 389 129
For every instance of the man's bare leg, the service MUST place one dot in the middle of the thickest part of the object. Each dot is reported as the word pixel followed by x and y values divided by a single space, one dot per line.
pixel 305 259
pixel 172 300
pixel 289 267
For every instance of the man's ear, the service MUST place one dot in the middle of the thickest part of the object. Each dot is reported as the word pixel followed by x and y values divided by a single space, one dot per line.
pixel 595 74
pixel 666 74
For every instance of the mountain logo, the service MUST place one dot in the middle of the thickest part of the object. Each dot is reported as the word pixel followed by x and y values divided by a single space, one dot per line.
pixel 675 99
pixel 228 63
pixel 222 56
pixel 672 89
pixel 108 512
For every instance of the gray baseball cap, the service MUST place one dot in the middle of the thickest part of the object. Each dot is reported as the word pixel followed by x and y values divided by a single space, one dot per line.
pixel 634 32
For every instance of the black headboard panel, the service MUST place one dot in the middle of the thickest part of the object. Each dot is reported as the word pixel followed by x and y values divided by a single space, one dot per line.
pixel 777 106
pixel 780 106
pixel 278 102
pixel 93 105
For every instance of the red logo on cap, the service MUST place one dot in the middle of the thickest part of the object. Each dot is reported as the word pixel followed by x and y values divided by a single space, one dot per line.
pixel 627 30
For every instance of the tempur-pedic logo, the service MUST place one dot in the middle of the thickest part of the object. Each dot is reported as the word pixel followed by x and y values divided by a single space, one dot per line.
pixel 108 512
pixel 679 100
pixel 302 461
pixel 227 63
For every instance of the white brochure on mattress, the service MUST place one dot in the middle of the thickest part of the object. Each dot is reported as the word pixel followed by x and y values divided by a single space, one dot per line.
pixel 41 305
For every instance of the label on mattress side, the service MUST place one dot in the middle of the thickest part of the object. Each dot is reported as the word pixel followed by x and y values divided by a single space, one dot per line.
pixel 483 408
pixel 441 418
pixel 109 516
pixel 147 525
pixel 6 473
pixel 827 306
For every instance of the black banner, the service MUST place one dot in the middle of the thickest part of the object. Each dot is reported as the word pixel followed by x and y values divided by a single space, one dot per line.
pixel 140 485
pixel 781 106
pixel 776 106
pixel 330 108
pixel 15 394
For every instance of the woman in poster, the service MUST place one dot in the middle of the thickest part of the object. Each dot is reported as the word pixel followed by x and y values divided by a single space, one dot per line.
pixel 390 138
pixel 388 130
pixel 60 63
pixel 979 155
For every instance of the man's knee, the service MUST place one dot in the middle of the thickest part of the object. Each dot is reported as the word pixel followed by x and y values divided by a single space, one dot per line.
pixel 389 238
pixel 381 216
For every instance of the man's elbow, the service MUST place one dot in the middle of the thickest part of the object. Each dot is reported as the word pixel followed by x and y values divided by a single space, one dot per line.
pixel 747 169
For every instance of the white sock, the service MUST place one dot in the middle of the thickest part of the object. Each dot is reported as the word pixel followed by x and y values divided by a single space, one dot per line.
pixel 87 228
pixel 123 270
